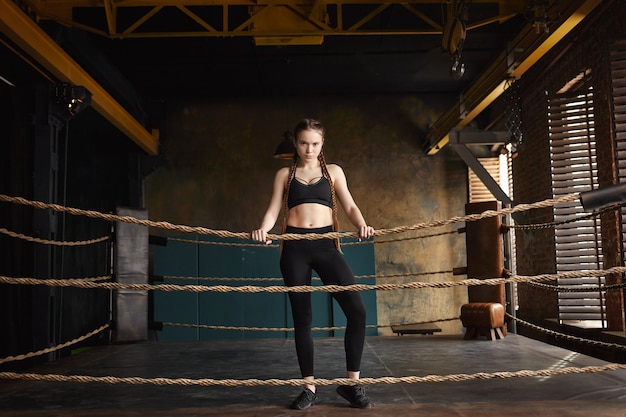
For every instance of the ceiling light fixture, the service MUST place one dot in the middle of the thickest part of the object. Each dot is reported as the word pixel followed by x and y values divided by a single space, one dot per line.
pixel 72 100
pixel 285 149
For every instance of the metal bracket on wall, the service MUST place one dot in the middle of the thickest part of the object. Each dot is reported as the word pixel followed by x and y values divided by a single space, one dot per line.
pixel 460 138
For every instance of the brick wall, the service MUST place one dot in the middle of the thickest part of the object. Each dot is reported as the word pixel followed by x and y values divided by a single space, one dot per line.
pixel 587 48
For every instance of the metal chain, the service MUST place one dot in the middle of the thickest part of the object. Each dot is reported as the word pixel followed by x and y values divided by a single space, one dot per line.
pixel 549 225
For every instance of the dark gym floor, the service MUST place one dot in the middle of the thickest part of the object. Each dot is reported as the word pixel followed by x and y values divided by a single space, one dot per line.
pixel 587 394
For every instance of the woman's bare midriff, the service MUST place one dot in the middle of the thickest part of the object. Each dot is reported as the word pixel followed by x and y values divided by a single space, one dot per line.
pixel 310 215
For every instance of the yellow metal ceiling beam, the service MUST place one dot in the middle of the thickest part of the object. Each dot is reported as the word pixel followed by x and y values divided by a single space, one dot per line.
pixel 111 15
pixel 18 27
pixel 61 11
pixel 492 83
pixel 506 4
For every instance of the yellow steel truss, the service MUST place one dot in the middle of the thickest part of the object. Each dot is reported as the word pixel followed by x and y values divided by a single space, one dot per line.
pixel 289 21
pixel 264 18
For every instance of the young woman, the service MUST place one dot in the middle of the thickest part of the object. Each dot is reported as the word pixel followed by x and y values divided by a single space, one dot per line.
pixel 309 192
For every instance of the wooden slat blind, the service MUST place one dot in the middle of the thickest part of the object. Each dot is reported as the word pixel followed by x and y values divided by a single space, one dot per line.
pixel 574 169
pixel 477 190
pixel 618 78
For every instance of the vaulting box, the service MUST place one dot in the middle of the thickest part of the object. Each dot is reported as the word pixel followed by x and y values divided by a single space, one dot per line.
pixel 483 319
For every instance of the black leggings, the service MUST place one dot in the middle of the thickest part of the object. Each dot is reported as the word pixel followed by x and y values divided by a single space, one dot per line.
pixel 298 259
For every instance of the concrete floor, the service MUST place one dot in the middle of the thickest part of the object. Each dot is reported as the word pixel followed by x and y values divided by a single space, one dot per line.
pixel 590 394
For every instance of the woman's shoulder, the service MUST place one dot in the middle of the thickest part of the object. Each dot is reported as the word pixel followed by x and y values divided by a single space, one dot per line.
pixel 336 173
pixel 334 169
pixel 282 174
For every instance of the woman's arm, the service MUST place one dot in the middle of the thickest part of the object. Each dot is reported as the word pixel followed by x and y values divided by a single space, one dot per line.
pixel 273 210
pixel 347 202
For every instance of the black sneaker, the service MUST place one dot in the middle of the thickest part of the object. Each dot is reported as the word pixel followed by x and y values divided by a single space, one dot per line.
pixel 355 394
pixel 306 399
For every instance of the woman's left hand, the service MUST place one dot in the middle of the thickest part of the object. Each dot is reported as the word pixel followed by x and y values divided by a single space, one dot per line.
pixel 366 232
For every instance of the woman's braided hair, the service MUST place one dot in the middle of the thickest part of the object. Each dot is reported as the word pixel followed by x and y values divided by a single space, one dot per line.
pixel 311 124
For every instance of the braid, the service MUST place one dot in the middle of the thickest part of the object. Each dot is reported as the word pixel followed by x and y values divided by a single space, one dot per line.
pixel 292 173
pixel 333 195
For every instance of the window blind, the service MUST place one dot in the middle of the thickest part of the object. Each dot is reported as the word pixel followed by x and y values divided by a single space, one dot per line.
pixel 574 169
pixel 618 77
pixel 478 192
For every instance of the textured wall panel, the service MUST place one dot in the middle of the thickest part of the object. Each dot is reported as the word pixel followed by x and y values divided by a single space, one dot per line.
pixel 131 267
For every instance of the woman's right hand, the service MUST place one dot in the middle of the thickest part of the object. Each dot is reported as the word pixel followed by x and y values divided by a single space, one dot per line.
pixel 260 235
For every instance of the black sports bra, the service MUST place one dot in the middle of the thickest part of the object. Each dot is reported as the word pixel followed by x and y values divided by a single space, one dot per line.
pixel 317 192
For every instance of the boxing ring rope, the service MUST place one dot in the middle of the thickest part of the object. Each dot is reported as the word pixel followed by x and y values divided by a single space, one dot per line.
pixel 298 382
pixel 318 381
pixel 53 242
pixel 402 239
pixel 548 225
pixel 290 329
pixel 381 276
pixel 288 236
pixel 94 283
pixel 55 348
pixel 90 283
pixel 321 382
pixel 566 336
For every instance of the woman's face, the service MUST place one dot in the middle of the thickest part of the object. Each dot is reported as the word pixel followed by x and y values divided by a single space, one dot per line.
pixel 309 144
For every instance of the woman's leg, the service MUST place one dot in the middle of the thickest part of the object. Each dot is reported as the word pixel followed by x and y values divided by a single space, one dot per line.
pixel 333 269
pixel 296 271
